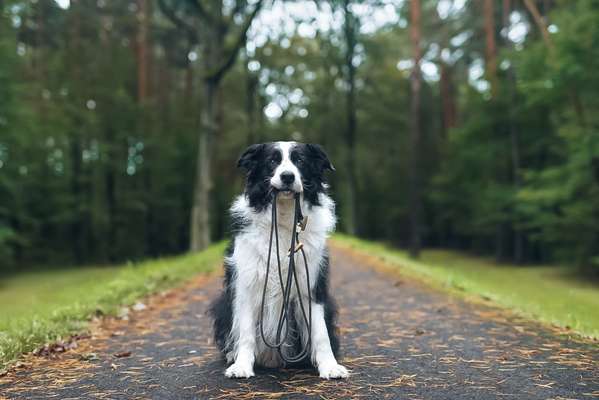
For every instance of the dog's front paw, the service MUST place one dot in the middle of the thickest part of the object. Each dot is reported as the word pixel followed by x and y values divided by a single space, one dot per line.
pixel 332 370
pixel 239 370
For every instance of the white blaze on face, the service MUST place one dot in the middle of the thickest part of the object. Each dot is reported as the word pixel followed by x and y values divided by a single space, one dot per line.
pixel 287 167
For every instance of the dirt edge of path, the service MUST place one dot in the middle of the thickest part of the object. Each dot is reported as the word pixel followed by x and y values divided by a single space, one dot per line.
pixel 382 266
pixel 79 350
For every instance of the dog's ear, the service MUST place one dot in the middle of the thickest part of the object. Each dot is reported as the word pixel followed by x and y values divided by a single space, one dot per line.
pixel 249 158
pixel 318 153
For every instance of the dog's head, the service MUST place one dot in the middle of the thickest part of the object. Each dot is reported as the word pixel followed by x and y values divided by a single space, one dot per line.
pixel 286 167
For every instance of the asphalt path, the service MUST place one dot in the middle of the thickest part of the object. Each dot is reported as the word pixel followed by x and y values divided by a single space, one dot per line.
pixel 399 338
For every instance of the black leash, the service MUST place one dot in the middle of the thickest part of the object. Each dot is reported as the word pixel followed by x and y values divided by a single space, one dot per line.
pixel 299 224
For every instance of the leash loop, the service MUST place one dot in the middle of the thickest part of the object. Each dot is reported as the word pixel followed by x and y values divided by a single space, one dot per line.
pixel 283 324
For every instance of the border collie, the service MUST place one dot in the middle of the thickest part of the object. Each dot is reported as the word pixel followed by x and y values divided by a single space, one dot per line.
pixel 288 168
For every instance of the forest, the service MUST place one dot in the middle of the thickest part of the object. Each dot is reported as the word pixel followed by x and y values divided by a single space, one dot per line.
pixel 460 124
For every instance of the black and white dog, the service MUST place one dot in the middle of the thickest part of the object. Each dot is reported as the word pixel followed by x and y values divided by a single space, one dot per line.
pixel 289 168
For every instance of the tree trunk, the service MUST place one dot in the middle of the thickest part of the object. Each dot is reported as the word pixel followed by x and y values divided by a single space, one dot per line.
pixel 506 11
pixel 143 95
pixel 501 230
pixel 142 50
pixel 540 22
pixel 110 183
pixel 76 147
pixel 216 62
pixel 77 225
pixel 200 216
pixel 415 84
pixel 448 103
pixel 350 134
pixel 250 105
pixel 490 44
pixel 189 86
pixel 518 239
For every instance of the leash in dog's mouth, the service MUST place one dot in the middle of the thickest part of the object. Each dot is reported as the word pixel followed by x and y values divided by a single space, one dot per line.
pixel 282 336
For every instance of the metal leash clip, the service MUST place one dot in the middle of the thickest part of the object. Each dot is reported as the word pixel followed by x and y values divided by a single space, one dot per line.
pixel 301 225
pixel 298 247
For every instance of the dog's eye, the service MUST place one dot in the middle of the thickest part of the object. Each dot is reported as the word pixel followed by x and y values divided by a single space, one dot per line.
pixel 273 162
pixel 299 162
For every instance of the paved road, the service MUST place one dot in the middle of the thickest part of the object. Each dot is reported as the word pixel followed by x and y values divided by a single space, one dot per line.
pixel 401 340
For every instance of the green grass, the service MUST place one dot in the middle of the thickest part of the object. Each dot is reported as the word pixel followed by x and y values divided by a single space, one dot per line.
pixel 550 294
pixel 40 307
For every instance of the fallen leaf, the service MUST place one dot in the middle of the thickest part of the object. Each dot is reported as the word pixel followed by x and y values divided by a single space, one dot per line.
pixel 123 313
pixel 89 357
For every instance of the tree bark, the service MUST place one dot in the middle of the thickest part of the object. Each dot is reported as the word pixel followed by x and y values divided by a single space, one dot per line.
pixel 76 146
pixel 189 82
pixel 448 103
pixel 218 60
pixel 142 50
pixel 251 86
pixel 351 224
pixel 506 11
pixel 110 184
pixel 490 44
pixel 200 215
pixel 518 239
pixel 415 127
pixel 144 59
pixel 200 229
pixel 540 22
pixel 212 31
pixel 491 74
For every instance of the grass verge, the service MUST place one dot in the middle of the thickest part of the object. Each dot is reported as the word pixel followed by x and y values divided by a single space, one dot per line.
pixel 550 294
pixel 41 307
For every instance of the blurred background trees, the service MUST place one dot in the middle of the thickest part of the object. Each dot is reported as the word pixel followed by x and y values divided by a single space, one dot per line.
pixel 121 121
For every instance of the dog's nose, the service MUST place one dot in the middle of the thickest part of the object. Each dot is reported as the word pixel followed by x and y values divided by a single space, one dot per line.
pixel 287 177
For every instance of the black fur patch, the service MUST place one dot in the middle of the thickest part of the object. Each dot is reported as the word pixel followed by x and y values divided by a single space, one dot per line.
pixel 221 308
pixel 261 160
pixel 312 162
pixel 322 296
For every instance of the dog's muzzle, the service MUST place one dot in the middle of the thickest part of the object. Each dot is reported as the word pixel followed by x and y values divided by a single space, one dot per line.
pixel 287 184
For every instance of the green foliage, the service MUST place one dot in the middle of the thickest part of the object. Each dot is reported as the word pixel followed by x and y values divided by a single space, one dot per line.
pixel 92 173
pixel 560 199
pixel 551 199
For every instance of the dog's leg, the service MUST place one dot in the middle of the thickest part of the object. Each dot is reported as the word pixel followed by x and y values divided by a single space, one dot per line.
pixel 244 327
pixel 322 354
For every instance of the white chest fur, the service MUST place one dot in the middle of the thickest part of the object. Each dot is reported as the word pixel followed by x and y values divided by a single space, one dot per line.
pixel 250 255
pixel 251 244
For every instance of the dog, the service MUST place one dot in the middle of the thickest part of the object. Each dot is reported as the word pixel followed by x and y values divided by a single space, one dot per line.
pixel 288 168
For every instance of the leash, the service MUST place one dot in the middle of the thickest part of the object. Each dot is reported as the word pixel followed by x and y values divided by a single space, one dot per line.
pixel 299 225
